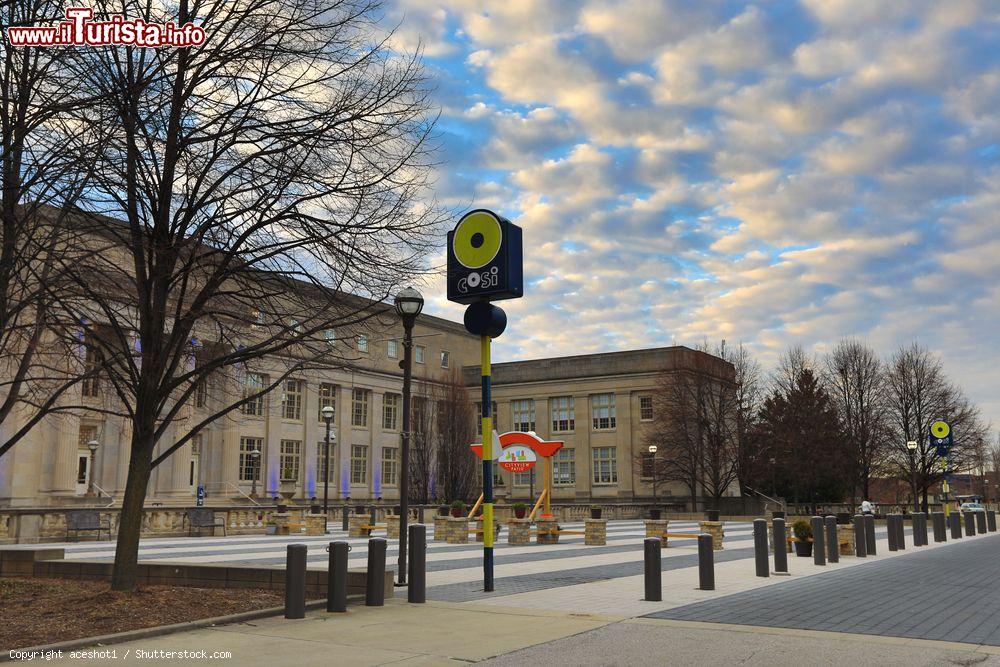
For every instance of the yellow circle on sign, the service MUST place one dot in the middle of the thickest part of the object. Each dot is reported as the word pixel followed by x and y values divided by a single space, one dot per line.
pixel 477 239
pixel 940 429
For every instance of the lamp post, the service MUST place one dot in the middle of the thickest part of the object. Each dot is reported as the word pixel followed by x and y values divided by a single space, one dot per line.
pixel 254 471
pixel 408 304
pixel 911 447
pixel 327 412
pixel 652 470
pixel 92 446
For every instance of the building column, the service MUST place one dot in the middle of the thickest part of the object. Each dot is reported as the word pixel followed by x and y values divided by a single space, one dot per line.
pixel 311 435
pixel 584 457
pixel 66 432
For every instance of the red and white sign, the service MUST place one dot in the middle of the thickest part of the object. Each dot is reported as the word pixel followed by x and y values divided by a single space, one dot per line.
pixel 517 458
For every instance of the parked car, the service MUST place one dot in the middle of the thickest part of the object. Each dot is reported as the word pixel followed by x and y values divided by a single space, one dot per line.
pixel 972 507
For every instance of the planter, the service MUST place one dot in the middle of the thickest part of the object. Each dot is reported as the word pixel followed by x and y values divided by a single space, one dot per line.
pixel 457 513
pixel 803 549
pixel 359 509
pixel 712 515
pixel 653 514
pixel 520 512
pixel 444 510
pixel 314 509
pixel 595 512
pixel 270 530
pixel 282 509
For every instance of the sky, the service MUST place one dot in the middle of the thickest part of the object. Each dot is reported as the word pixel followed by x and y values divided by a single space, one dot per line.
pixel 775 173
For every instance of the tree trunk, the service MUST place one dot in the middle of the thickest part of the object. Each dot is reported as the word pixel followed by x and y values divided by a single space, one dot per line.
pixel 124 575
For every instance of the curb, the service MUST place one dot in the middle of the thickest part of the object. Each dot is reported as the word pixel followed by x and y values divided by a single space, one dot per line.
pixel 160 630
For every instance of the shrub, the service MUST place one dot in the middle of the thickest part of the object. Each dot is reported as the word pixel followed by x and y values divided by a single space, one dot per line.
pixel 802 530
pixel 519 506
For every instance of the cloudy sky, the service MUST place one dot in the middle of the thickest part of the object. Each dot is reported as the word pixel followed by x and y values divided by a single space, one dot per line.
pixel 776 173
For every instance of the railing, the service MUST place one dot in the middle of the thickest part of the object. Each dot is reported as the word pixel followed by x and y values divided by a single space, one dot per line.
pixel 235 488
pixel 101 491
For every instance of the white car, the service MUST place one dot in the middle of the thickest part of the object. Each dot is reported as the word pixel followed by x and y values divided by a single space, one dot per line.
pixel 972 507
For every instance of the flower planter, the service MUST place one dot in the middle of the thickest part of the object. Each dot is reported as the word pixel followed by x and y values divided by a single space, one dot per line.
pixel 803 549
pixel 270 530
pixel 444 510
pixel 520 512
pixel 653 514
pixel 595 512
pixel 457 513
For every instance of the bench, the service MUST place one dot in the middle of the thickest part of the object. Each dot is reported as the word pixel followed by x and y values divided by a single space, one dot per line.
pixel 200 517
pixel 89 520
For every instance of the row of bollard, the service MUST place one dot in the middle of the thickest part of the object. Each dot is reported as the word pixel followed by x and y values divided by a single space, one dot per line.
pixel 652 562
pixel 336 582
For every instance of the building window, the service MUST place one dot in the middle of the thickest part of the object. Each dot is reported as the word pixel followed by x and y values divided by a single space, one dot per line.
pixel 523 412
pixel 392 349
pixel 86 433
pixel 93 359
pixel 321 460
pixel 605 465
pixel 359 407
pixel 330 336
pixel 563 418
pixel 390 466
pixel 258 320
pixel 479 416
pixel 523 478
pixel 564 467
pixel 647 464
pixel 254 384
pixel 602 410
pixel 291 400
pixel 390 411
pixel 362 343
pixel 418 353
pixel 646 408
pixel 290 460
pixel 327 398
pixel 296 326
pixel 444 358
pixel 201 393
pixel 498 479
pixel 359 464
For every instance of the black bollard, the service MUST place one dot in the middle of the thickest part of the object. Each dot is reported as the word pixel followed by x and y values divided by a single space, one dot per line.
pixel 991 521
pixel 651 560
pixel 870 536
pixel 970 524
pixel 760 547
pixel 346 514
pixel 937 520
pixel 780 545
pixel 980 522
pixel 900 533
pixel 819 548
pixel 375 581
pixel 919 529
pixel 832 543
pixel 706 563
pixel 416 590
pixel 336 577
pixel 860 539
pixel 295 581
pixel 955 521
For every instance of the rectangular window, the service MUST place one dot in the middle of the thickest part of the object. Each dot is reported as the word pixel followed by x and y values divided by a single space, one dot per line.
pixel 605 465
pixel 93 359
pixel 362 343
pixel 390 411
pixel 564 467
pixel 321 461
pixel 327 397
pixel 359 407
pixel 87 433
pixel 602 410
pixel 646 408
pixel 523 411
pixel 498 479
pixel 444 358
pixel 418 353
pixel 563 417
pixel 330 336
pixel 254 383
pixel 290 460
pixel 258 320
pixel 291 400
pixel 523 478
pixel 390 466
pixel 479 417
pixel 359 464
pixel 201 393
pixel 392 349
pixel 647 464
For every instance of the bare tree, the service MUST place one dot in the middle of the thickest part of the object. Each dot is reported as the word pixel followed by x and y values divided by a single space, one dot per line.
pixel 250 179
pixel 456 430
pixel 752 453
pixel 423 445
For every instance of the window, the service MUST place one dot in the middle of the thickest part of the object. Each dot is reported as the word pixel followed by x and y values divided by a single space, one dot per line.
pixel 321 461
pixel 359 464
pixel 93 359
pixel 392 349
pixel 479 416
pixel 201 393
pixel 295 326
pixel 444 358
pixel 390 466
pixel 359 407
pixel 523 478
pixel 291 400
pixel 524 414
pixel 646 408
pixel 647 464
pixel 362 343
pixel 327 397
pixel 564 467
pixel 330 336
pixel 602 410
pixel 605 465
pixel 258 320
pixel 418 353
pixel 562 409
pixel 390 411
pixel 87 433
pixel 254 383
pixel 498 478
pixel 290 459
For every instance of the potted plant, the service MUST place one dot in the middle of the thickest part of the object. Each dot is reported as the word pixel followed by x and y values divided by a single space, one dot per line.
pixel 444 510
pixel 803 538
pixel 654 513
pixel 520 509
pixel 595 511
pixel 270 527
pixel 458 509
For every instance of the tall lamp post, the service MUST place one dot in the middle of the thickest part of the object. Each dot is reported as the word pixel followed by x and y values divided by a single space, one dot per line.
pixel 652 471
pixel 408 304
pixel 254 471
pixel 911 447
pixel 327 412
pixel 92 446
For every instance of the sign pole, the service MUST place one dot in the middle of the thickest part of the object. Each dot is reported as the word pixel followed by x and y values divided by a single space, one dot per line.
pixel 487 467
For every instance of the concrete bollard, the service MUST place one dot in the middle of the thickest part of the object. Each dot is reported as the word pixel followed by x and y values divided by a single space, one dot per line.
pixel 890 531
pixel 860 540
pixel 919 529
pixel 832 543
pixel 819 544
pixel 336 577
pixel 900 533
pixel 375 581
pixel 706 563
pixel 980 522
pixel 991 521
pixel 970 524
pixel 416 590
pixel 955 521
pixel 651 561
pixel 780 545
pixel 937 520
pixel 295 581
pixel 870 536
pixel 760 547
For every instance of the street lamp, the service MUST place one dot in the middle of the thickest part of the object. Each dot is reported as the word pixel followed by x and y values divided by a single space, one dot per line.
pixel 92 446
pixel 254 471
pixel 652 470
pixel 408 304
pixel 911 447
pixel 327 413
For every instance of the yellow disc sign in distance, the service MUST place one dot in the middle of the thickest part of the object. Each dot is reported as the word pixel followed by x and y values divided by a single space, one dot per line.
pixel 940 429
pixel 477 239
